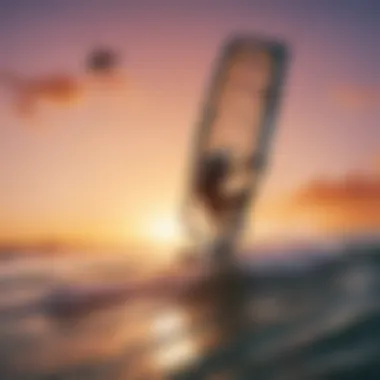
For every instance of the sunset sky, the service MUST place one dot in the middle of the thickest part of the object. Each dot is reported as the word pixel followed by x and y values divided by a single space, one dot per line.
pixel 111 166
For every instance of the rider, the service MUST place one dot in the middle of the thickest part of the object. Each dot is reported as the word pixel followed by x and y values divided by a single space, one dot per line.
pixel 214 172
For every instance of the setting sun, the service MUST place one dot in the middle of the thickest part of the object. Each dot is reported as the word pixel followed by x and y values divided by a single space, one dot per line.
pixel 166 230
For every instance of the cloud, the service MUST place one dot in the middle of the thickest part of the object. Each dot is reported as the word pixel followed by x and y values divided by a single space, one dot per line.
pixel 350 188
pixel 376 164
pixel 356 97
pixel 347 204
pixel 28 92
pixel 57 90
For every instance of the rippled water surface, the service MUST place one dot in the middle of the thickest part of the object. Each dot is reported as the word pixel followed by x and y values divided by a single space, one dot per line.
pixel 322 322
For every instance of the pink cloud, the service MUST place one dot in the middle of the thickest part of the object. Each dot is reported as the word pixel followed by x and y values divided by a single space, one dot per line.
pixel 356 97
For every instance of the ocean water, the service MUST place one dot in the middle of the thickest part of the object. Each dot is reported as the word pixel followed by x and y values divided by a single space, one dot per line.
pixel 306 322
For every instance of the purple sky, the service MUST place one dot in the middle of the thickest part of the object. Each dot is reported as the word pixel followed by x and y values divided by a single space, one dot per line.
pixel 136 162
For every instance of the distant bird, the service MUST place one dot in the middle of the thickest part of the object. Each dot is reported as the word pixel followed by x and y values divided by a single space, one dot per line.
pixel 102 60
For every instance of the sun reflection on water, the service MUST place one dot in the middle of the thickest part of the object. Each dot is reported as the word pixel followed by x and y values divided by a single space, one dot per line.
pixel 173 353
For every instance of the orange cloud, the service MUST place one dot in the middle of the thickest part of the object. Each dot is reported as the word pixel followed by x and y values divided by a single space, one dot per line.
pixel 348 204
pixel 376 164
pixel 58 90
pixel 356 97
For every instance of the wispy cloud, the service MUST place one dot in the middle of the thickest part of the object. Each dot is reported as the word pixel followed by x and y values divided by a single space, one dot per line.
pixel 356 97
pixel 57 90
pixel 347 204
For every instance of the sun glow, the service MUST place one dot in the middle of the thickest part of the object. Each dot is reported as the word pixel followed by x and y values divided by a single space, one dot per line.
pixel 166 230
